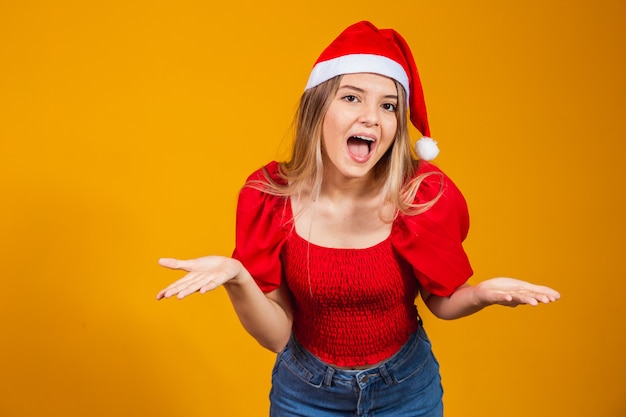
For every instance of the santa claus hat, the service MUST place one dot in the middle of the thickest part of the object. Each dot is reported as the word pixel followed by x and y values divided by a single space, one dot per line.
pixel 362 47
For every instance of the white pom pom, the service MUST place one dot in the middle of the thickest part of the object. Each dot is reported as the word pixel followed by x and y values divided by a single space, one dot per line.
pixel 426 148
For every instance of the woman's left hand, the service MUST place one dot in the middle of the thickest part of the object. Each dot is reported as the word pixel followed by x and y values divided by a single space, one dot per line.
pixel 512 292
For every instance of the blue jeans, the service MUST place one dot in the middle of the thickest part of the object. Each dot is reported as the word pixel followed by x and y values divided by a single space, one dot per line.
pixel 407 384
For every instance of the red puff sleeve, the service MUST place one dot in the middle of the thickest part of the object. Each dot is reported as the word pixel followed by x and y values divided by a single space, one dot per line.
pixel 261 231
pixel 432 241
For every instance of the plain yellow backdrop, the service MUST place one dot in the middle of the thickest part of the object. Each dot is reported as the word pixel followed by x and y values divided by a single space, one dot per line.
pixel 127 128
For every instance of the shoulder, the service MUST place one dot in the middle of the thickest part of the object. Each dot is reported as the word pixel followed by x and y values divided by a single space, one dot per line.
pixel 432 174
pixel 433 182
pixel 424 166
pixel 449 209
pixel 259 183
pixel 268 172
pixel 256 197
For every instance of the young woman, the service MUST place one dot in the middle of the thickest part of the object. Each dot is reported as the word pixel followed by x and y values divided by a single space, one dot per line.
pixel 333 246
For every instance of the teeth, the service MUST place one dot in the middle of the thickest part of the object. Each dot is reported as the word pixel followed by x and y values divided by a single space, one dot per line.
pixel 367 140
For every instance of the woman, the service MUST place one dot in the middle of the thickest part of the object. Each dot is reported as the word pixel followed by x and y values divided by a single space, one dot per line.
pixel 333 246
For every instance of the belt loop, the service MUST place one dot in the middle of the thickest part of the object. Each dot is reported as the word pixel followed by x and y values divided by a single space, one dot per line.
pixel 385 374
pixel 328 378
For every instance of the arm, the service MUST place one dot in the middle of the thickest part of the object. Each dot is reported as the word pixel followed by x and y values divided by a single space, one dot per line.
pixel 267 317
pixel 467 299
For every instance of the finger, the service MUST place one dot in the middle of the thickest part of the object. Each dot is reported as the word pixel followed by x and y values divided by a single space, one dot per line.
pixel 165 293
pixel 551 293
pixel 201 287
pixel 177 286
pixel 529 300
pixel 173 263
pixel 503 298
pixel 168 292
pixel 178 292
pixel 547 298
pixel 208 287
pixel 515 299
pixel 218 278
pixel 532 297
pixel 545 295
pixel 194 283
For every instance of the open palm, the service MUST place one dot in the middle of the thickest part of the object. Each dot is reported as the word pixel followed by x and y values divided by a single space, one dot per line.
pixel 203 274
pixel 513 292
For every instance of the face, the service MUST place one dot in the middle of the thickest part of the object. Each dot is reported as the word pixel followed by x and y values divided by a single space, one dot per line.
pixel 359 125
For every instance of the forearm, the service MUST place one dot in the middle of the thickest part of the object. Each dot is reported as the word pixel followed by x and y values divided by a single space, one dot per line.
pixel 266 319
pixel 463 302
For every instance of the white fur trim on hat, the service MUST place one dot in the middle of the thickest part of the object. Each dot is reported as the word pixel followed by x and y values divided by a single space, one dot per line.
pixel 426 148
pixel 355 63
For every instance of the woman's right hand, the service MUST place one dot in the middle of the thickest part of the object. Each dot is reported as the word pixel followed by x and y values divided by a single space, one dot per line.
pixel 203 274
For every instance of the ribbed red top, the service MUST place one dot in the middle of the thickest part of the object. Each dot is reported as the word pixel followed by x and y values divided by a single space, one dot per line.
pixel 355 306
pixel 352 307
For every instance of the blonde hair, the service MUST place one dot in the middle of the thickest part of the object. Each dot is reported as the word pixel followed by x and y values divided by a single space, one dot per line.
pixel 303 173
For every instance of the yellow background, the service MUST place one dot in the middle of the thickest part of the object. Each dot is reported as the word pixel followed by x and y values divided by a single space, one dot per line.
pixel 127 128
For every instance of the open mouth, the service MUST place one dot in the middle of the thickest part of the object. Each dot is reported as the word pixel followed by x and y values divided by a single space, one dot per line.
pixel 360 146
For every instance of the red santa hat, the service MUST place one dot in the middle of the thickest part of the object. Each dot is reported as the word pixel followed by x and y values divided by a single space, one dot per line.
pixel 362 47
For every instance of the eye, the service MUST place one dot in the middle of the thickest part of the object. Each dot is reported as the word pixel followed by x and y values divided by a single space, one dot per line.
pixel 390 107
pixel 350 98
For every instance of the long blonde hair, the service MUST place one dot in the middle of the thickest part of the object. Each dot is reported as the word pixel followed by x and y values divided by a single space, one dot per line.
pixel 303 173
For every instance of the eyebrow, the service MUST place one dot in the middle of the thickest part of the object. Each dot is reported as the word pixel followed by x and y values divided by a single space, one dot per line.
pixel 360 90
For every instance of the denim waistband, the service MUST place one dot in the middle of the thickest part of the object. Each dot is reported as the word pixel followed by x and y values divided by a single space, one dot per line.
pixel 404 363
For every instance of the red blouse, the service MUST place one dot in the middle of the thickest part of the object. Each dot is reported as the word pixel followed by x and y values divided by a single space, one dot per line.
pixel 355 307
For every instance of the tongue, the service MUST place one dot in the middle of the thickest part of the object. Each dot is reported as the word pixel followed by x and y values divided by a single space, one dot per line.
pixel 358 147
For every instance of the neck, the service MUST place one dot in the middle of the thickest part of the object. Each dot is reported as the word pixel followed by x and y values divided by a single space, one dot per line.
pixel 340 188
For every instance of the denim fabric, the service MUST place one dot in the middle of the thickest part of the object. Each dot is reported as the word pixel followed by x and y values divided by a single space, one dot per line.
pixel 407 384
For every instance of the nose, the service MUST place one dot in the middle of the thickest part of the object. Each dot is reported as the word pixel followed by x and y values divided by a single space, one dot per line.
pixel 369 114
